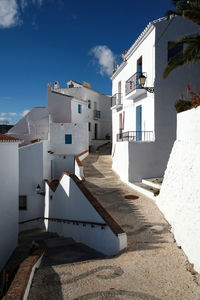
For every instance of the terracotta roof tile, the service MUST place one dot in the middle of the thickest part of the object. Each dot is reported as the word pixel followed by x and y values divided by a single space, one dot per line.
pixel 8 138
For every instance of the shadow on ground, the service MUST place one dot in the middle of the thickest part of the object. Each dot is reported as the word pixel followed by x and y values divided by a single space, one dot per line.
pixel 106 186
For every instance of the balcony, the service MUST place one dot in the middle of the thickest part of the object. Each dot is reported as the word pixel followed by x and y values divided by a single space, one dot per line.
pixel 131 136
pixel 132 87
pixel 116 100
pixel 97 114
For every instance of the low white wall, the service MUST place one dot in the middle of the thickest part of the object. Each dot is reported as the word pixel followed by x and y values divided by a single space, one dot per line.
pixel 9 192
pixel 36 266
pixel 69 202
pixel 179 196
pixel 134 161
pixel 120 160
pixel 79 169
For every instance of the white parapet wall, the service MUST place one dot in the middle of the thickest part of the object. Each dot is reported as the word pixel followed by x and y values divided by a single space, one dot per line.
pixel 90 223
pixel 179 198
pixel 78 165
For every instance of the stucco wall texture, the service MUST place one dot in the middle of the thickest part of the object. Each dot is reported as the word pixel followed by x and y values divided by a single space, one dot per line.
pixel 179 199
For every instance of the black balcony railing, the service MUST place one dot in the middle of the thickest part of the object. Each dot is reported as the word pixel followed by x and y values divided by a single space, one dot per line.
pixel 116 99
pixel 145 136
pixel 97 114
pixel 132 83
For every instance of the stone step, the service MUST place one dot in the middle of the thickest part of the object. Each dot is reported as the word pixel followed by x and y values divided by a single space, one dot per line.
pixel 153 182
pixel 58 242
pixel 144 189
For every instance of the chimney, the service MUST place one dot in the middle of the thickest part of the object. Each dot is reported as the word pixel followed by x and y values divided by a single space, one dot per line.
pixel 56 85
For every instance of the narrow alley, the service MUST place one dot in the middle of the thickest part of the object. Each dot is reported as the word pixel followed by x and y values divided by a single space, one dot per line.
pixel 152 267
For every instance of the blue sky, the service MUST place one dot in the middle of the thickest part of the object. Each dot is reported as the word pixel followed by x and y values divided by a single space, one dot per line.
pixel 47 40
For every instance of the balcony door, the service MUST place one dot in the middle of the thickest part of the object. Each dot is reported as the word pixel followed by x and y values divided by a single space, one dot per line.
pixel 139 123
pixel 119 92
pixel 96 131
pixel 139 71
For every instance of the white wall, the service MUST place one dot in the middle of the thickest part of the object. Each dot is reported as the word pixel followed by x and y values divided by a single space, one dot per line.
pixel 120 160
pixel 82 95
pixel 9 187
pixel 62 163
pixel 158 112
pixel 128 110
pixel 68 202
pixel 34 167
pixel 59 106
pixel 35 125
pixel 79 168
pixel 179 196
pixel 80 140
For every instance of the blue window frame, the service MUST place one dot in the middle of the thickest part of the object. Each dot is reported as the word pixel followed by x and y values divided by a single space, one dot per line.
pixel 79 108
pixel 68 139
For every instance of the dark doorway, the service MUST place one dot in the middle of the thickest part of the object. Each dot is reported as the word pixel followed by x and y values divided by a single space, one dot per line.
pixel 96 131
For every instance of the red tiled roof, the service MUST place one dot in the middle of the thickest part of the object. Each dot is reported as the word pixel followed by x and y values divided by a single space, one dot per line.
pixel 8 138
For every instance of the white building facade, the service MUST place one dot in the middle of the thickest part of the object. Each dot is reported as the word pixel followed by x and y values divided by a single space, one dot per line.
pixel 75 118
pixel 9 197
pixel 144 123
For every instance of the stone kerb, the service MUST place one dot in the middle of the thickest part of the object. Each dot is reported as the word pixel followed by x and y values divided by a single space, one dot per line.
pixel 179 196
pixel 20 286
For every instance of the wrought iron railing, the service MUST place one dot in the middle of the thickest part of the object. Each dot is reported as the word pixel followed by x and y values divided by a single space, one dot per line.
pixel 67 221
pixel 97 114
pixel 145 136
pixel 132 83
pixel 116 99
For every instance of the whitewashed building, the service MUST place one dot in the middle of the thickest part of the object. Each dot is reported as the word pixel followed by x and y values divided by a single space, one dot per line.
pixel 75 118
pixel 9 196
pixel 143 122
pixel 79 103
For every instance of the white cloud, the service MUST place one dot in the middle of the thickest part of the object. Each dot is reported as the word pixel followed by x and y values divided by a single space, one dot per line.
pixel 12 114
pixel 5 120
pixel 9 13
pixel 2 114
pixel 25 112
pixel 105 59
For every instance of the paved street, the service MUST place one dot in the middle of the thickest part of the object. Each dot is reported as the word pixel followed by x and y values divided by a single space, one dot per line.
pixel 152 267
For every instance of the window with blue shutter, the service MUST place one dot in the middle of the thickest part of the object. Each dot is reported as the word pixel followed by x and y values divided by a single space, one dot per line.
pixel 79 109
pixel 68 139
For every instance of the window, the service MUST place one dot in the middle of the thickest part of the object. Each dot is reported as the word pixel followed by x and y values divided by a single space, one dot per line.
pixel 89 126
pixel 174 51
pixel 23 202
pixel 89 103
pixel 79 108
pixel 68 139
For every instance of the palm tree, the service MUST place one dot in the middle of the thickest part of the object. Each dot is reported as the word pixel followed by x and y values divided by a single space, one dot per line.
pixel 191 11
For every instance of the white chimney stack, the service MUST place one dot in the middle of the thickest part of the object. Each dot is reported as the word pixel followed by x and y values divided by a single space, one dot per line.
pixel 56 85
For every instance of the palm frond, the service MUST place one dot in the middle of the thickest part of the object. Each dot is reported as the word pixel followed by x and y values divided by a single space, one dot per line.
pixel 192 39
pixel 190 54
pixel 187 9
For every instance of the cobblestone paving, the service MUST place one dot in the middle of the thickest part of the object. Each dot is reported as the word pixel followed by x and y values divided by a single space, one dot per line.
pixel 152 267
